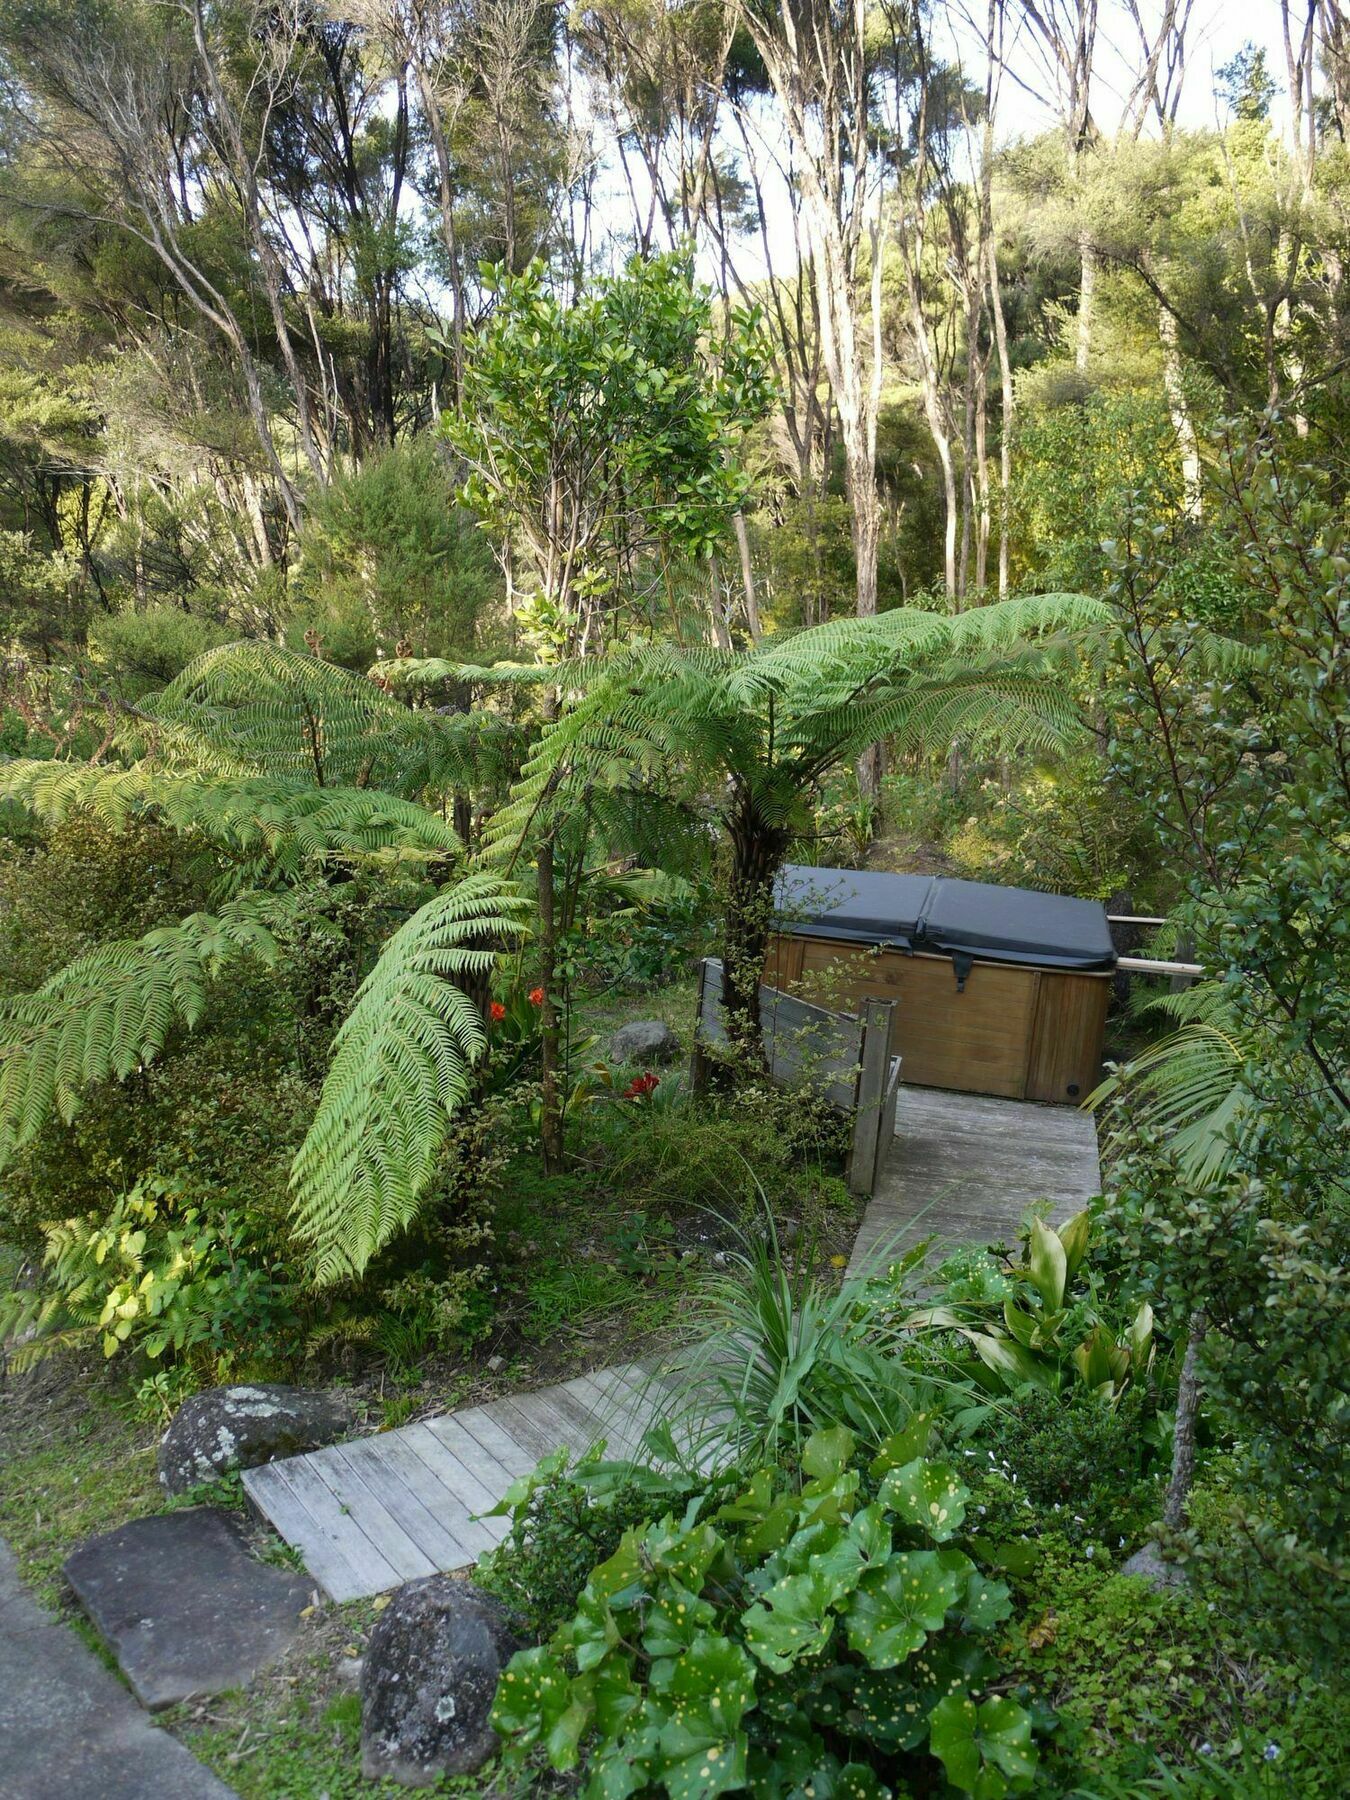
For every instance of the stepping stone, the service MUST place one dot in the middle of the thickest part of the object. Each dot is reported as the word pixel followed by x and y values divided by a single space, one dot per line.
pixel 69 1730
pixel 183 1606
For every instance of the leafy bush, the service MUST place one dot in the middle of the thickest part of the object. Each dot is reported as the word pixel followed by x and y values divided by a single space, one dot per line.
pixel 564 1520
pixel 1094 1473
pixel 790 1631
pixel 157 1276
pixel 1159 1692
pixel 1041 1326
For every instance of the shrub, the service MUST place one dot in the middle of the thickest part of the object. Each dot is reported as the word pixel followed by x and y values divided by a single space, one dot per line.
pixel 157 1276
pixel 564 1520
pixel 1093 1472
pixel 791 1630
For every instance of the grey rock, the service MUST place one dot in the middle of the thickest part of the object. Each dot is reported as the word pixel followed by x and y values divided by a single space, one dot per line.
pixel 428 1679
pixel 1150 1565
pixel 646 1041
pixel 182 1604
pixel 228 1428
pixel 68 1728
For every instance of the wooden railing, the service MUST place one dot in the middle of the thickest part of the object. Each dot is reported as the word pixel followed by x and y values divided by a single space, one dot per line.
pixel 844 1057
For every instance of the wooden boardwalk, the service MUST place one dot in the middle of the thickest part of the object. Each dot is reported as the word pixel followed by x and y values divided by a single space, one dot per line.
pixel 375 1512
pixel 378 1511
pixel 965 1168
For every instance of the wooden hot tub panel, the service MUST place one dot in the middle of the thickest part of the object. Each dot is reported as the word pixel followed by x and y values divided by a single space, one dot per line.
pixel 1020 1032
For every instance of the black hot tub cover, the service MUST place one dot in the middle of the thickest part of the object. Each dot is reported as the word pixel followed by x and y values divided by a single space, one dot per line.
pixel 946 917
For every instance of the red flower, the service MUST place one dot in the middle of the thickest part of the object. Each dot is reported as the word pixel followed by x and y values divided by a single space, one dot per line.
pixel 496 1012
pixel 536 996
pixel 640 1086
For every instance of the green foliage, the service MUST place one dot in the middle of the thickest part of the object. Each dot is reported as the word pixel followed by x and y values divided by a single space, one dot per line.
pixel 388 558
pixel 401 1064
pixel 565 1519
pixel 786 1630
pixel 143 651
pixel 1044 1328
pixel 274 826
pixel 597 431
pixel 158 1277
pixel 1093 1473
pixel 112 1011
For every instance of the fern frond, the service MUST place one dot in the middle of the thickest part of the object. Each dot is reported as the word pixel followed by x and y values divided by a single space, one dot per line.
pixel 400 1068
pixel 1190 1086
pixel 111 1011
pixel 286 822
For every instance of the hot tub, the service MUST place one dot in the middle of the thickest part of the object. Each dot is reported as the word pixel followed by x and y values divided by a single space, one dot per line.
pixel 1000 990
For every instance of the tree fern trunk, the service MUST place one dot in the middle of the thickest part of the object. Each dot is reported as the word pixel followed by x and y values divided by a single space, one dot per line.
pixel 757 854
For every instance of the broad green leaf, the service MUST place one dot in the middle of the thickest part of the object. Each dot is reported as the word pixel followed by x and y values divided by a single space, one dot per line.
pixel 894 1609
pixel 927 1496
pixel 795 1617
pixel 1047 1264
pixel 1017 1366
pixel 985 1748
pixel 1074 1239
pixel 674 1618
pixel 532 1696
pixel 902 1446
pixel 827 1453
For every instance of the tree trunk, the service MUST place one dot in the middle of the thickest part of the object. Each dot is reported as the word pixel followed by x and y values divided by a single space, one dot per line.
pixel 757 853
pixel 1183 1438
pixel 550 1030
pixel 1087 287
pixel 752 620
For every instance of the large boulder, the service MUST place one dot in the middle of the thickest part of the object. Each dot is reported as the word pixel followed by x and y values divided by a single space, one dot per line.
pixel 645 1041
pixel 228 1428
pixel 428 1680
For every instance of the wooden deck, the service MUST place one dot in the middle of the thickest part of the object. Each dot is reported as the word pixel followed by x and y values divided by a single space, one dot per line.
pixel 378 1511
pixel 965 1168
pixel 371 1514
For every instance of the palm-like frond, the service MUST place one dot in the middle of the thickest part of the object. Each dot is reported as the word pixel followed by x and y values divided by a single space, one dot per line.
pixel 774 720
pixel 112 1011
pixel 286 822
pixel 1190 1085
pixel 400 1068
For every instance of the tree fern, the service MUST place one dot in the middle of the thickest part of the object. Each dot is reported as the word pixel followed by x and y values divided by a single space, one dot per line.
pixel 401 1065
pixel 111 1012
pixel 285 823
pixel 1190 1086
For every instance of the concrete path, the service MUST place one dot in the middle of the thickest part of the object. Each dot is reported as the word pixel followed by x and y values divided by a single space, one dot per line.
pixel 965 1168
pixel 69 1730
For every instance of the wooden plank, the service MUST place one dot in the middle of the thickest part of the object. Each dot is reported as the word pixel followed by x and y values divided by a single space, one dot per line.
pixel 436 1478
pixel 477 1478
pixel 420 1505
pixel 874 1063
pixel 540 1435
pixel 967 1167
pixel 977 1040
pixel 1067 1040
pixel 341 1578
pixel 381 1505
pixel 337 1534
pixel 487 1429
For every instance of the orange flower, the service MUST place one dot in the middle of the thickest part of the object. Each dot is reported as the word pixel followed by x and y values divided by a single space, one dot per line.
pixel 536 996
pixel 496 1012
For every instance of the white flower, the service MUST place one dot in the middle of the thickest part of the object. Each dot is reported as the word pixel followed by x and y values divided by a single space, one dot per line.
pixel 1090 1550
